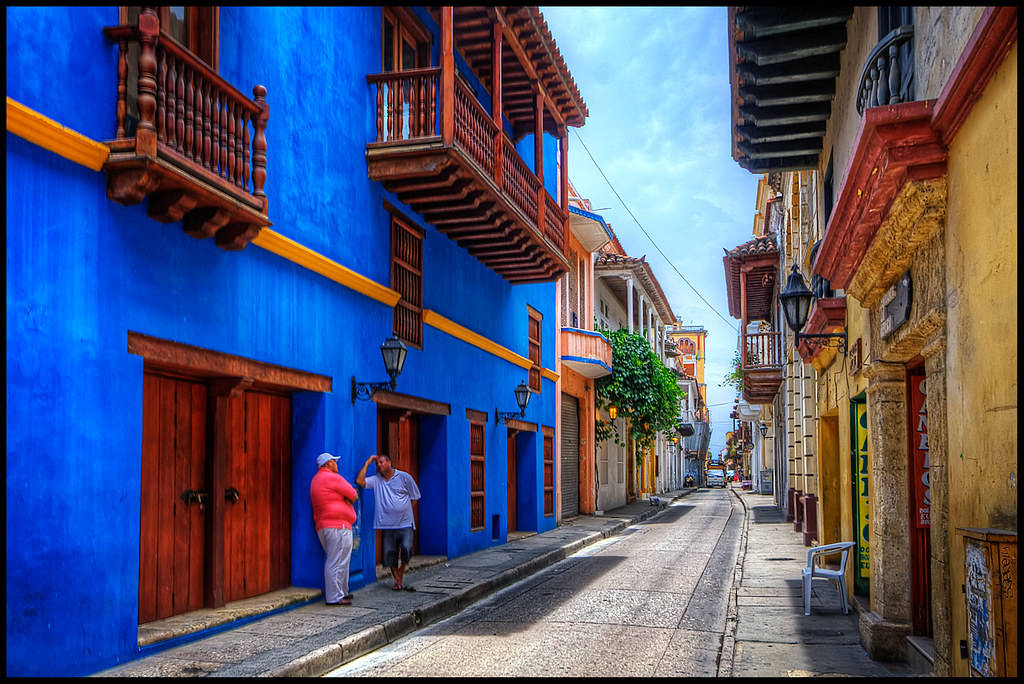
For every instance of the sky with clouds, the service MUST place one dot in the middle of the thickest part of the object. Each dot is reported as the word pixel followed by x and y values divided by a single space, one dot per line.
pixel 656 83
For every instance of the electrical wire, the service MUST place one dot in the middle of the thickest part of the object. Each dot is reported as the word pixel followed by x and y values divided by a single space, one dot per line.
pixel 731 323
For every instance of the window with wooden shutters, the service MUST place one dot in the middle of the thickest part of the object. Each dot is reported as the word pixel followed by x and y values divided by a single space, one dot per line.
pixel 549 475
pixel 534 344
pixel 407 280
pixel 476 476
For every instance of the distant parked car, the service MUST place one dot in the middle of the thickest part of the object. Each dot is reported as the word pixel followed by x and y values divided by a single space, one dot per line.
pixel 716 478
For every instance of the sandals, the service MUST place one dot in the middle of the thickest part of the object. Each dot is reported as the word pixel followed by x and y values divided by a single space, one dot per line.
pixel 405 588
pixel 396 587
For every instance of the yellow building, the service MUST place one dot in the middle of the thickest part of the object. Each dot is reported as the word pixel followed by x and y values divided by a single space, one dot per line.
pixel 901 176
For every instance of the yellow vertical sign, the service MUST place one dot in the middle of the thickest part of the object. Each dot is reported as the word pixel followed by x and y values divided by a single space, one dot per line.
pixel 863 491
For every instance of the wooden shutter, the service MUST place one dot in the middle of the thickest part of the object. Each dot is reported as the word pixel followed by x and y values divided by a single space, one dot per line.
pixel 534 350
pixel 407 280
pixel 476 476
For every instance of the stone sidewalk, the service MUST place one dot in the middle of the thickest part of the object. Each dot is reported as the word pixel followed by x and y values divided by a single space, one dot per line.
pixel 309 638
pixel 767 633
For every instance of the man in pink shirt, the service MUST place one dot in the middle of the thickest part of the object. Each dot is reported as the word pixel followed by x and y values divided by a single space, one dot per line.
pixel 333 498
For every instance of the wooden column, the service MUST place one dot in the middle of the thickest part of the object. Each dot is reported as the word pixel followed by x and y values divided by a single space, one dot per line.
pixel 743 318
pixel 447 74
pixel 221 392
pixel 496 104
pixel 563 153
pixel 538 153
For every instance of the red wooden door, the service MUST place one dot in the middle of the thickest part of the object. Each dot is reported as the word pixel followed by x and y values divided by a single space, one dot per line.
pixel 513 524
pixel 398 437
pixel 257 524
pixel 171 534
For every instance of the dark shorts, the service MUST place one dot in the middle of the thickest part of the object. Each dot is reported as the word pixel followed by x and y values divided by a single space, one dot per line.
pixel 396 544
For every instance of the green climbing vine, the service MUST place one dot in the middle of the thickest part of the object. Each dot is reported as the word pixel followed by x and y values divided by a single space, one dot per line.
pixel 641 387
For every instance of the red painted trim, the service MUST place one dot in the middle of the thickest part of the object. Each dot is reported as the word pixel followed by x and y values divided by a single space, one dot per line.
pixel 995 33
pixel 895 144
pixel 826 316
pixel 907 142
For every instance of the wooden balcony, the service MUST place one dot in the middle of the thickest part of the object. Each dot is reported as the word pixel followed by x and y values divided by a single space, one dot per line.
pixel 197 148
pixel 761 360
pixel 587 352
pixel 445 153
pixel 475 188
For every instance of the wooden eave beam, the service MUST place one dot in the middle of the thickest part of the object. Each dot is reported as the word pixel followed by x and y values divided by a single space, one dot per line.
pixel 786 48
pixel 512 39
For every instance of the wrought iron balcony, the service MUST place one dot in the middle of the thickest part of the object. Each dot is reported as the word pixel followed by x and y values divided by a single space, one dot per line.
pixel 888 73
pixel 587 352
pixel 197 147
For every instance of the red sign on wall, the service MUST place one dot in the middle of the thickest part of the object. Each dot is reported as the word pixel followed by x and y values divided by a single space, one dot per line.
pixel 919 452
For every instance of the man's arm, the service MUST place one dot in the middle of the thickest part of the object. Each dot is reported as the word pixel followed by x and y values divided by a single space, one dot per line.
pixel 361 477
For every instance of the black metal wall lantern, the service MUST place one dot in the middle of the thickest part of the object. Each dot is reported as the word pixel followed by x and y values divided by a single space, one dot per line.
pixel 764 429
pixel 522 398
pixel 796 304
pixel 394 353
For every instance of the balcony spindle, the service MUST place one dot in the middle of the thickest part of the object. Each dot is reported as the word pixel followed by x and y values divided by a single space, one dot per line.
pixel 230 114
pixel 882 97
pixel 380 112
pixel 161 96
pixel 207 106
pixel 225 142
pixel 172 104
pixel 239 134
pixel 179 89
pixel 894 74
pixel 189 114
pixel 122 89
pixel 245 150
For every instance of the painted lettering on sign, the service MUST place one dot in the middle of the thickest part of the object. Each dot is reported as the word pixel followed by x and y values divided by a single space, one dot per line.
pixel 922 489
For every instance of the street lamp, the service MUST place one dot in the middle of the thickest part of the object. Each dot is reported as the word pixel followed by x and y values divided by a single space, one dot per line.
pixel 522 399
pixel 393 352
pixel 764 429
pixel 796 304
pixel 612 412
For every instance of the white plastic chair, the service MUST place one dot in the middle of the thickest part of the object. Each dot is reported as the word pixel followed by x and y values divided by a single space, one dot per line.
pixel 837 577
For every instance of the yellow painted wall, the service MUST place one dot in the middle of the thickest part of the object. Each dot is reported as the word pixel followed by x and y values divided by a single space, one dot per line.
pixel 981 357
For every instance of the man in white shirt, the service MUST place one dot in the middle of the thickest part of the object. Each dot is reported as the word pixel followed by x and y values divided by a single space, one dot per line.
pixel 394 491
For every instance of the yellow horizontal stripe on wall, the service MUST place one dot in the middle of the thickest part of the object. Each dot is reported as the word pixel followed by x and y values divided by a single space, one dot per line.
pixel 436 320
pixel 549 374
pixel 303 256
pixel 50 135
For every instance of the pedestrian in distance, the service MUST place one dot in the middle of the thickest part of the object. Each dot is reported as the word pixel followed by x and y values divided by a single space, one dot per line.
pixel 334 513
pixel 394 491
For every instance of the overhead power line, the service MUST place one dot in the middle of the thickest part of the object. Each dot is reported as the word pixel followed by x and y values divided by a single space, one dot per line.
pixel 731 323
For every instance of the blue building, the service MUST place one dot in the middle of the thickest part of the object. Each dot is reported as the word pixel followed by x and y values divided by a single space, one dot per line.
pixel 199 282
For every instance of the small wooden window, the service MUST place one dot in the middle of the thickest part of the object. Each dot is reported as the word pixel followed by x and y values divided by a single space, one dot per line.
pixel 549 475
pixel 405 44
pixel 534 347
pixel 476 476
pixel 407 280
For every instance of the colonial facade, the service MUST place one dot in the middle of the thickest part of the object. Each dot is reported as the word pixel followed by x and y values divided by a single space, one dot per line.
pixel 690 342
pixel 200 284
pixel 629 296
pixel 893 154
pixel 584 355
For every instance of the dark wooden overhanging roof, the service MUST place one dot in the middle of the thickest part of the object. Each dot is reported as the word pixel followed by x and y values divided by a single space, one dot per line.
pixel 533 44
pixel 783 63
pixel 759 258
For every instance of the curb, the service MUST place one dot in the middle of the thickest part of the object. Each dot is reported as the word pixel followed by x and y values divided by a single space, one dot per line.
pixel 326 658
pixel 727 657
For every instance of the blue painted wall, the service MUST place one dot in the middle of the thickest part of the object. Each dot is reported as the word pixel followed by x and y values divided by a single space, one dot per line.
pixel 83 271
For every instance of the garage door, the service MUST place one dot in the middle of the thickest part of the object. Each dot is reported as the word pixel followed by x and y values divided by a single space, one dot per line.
pixel 570 460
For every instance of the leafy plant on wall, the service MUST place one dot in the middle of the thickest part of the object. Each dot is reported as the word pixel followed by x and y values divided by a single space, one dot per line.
pixel 643 390
pixel 734 378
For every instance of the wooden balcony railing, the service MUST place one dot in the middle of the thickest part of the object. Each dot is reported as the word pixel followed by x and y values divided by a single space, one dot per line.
pixel 406 104
pixel 198 146
pixel 762 350
pixel 888 71
pixel 587 352
pixel 409 113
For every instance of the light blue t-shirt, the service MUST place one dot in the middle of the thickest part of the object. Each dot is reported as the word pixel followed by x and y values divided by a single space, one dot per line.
pixel 392 507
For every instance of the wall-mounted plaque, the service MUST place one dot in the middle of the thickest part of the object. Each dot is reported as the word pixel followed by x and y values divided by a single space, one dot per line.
pixel 856 359
pixel 896 306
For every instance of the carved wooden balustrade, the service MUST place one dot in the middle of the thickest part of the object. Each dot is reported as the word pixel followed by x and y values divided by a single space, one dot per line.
pixel 762 366
pixel 888 71
pixel 484 196
pixel 198 146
